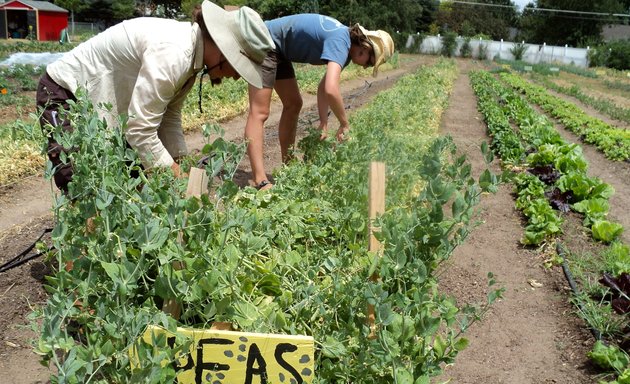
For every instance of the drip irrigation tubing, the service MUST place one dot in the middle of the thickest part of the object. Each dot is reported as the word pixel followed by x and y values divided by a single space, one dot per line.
pixel 567 274
pixel 24 256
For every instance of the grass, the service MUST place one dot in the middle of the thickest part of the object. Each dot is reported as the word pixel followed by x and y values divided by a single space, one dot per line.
pixel 592 302
pixel 20 151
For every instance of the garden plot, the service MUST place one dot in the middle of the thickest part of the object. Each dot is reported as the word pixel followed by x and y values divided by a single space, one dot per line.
pixel 511 357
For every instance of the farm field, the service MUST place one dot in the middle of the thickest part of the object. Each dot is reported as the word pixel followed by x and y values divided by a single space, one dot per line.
pixel 604 96
pixel 531 335
pixel 607 87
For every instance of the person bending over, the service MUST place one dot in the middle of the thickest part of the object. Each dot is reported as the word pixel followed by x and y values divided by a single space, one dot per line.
pixel 318 40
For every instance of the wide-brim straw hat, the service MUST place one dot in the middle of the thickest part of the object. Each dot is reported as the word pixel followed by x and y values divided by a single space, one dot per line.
pixel 242 37
pixel 381 43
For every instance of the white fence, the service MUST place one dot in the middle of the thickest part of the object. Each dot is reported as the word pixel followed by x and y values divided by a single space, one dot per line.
pixel 79 27
pixel 534 53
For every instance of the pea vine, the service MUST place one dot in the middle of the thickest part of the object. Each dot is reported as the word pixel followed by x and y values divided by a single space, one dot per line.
pixel 293 260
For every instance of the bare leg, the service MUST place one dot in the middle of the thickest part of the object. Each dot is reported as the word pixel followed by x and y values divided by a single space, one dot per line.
pixel 289 94
pixel 259 102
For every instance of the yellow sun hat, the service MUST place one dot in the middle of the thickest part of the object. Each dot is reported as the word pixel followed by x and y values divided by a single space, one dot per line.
pixel 382 44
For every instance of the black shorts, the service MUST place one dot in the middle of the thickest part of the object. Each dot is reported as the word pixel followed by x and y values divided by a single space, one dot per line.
pixel 276 67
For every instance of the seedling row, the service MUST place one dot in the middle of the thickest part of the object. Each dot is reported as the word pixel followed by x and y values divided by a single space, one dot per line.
pixel 550 179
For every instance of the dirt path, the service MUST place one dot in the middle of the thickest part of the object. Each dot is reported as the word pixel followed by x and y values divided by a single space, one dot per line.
pixel 25 212
pixel 530 336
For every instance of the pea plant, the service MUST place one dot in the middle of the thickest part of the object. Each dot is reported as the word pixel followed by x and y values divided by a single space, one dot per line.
pixel 293 260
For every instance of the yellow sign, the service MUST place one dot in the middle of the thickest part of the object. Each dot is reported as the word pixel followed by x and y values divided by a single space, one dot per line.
pixel 228 357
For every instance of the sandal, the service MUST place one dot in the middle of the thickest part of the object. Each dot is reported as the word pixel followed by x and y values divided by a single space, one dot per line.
pixel 262 184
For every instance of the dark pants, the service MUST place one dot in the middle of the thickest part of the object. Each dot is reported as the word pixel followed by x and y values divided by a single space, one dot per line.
pixel 53 99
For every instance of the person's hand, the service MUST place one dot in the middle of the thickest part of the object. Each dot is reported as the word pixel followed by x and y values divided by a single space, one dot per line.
pixel 176 170
pixel 342 133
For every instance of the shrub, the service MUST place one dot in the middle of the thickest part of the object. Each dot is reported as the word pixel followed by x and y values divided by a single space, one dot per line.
pixel 518 51
pixel 615 55
pixel 466 50
pixel 619 57
pixel 400 41
pixel 449 44
pixel 482 52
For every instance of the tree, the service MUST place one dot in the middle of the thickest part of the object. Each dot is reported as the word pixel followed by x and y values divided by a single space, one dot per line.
pixel 170 9
pixel 407 15
pixel 574 29
pixel 73 6
pixel 123 9
pixel 494 19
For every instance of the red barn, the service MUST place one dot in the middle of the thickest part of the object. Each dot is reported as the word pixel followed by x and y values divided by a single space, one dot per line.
pixel 44 20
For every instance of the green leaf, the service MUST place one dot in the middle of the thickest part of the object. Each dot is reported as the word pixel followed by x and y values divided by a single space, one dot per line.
pixel 245 314
pixel 461 344
pixel 270 285
pixel 252 244
pixel 114 271
pixel 624 378
pixel 104 199
pixel 403 376
pixel 458 206
pixel 439 346
pixel 606 231
pixel 609 357
pixel 488 181
pixel 151 236
pixel 333 348
pixel 487 153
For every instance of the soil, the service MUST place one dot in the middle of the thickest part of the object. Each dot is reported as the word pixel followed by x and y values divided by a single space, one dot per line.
pixel 531 335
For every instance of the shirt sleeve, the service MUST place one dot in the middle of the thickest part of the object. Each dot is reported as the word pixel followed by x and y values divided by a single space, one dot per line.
pixel 163 72
pixel 336 50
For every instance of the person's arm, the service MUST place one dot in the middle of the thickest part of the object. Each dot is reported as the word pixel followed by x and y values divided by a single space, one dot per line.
pixel 153 93
pixel 329 96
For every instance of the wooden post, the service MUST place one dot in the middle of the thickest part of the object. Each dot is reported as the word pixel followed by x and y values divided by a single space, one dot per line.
pixel 376 207
pixel 197 185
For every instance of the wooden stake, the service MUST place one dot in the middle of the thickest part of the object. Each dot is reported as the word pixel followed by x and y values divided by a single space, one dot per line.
pixel 376 207
pixel 197 185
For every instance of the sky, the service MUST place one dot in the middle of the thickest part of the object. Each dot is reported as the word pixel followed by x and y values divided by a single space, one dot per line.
pixel 521 3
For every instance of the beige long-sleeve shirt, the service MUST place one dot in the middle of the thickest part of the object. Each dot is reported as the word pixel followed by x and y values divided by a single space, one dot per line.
pixel 144 68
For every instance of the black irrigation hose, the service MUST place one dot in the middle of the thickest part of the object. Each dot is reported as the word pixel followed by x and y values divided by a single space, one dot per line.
pixel 22 257
pixel 567 273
